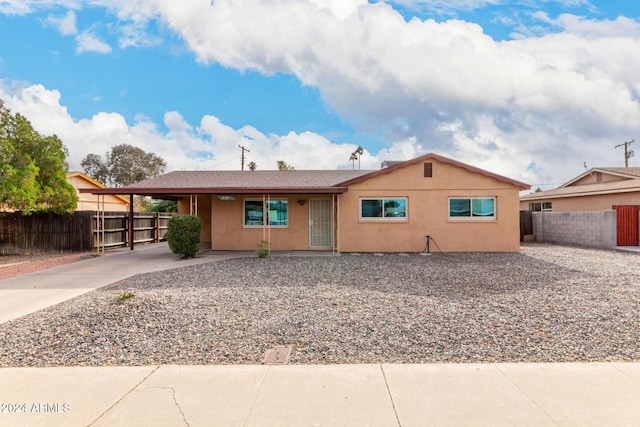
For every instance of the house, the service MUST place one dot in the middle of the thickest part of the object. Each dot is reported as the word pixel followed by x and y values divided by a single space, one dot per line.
pixel 597 189
pixel 394 209
pixel 88 202
pixel 590 198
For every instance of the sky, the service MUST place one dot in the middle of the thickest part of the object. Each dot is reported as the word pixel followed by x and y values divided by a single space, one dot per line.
pixel 533 90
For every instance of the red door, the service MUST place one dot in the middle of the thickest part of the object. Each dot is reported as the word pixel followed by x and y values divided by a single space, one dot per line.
pixel 627 225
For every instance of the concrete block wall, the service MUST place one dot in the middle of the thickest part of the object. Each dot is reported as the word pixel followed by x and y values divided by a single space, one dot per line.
pixel 596 229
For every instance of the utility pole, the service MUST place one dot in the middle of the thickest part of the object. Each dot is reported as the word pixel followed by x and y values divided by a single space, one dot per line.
pixel 627 153
pixel 243 150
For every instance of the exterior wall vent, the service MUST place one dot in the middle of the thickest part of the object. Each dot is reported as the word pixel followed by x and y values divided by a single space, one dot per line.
pixel 428 170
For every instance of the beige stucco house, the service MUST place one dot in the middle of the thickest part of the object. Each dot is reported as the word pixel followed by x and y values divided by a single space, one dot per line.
pixel 597 189
pixel 89 202
pixel 461 207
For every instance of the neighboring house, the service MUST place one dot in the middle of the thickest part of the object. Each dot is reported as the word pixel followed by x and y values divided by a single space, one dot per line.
pixel 89 202
pixel 461 207
pixel 597 189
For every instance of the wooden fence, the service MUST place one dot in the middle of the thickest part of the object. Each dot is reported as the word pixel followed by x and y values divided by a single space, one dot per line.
pixel 77 232
pixel 147 228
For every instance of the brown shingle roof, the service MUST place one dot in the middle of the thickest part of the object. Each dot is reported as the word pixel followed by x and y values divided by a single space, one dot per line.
pixel 274 181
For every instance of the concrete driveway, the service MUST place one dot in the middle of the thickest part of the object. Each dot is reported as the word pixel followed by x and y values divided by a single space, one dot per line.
pixel 22 295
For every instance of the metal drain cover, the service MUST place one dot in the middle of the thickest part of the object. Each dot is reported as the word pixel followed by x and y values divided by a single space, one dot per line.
pixel 277 356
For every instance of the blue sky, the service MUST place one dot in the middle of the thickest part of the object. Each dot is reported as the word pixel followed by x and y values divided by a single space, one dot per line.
pixel 529 89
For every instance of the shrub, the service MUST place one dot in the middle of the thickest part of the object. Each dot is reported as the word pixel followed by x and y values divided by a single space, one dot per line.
pixel 183 234
pixel 262 249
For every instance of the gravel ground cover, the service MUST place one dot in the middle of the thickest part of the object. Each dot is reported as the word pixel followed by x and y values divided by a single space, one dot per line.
pixel 545 304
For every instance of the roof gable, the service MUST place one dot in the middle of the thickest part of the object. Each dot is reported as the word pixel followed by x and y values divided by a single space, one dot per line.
pixel 441 159
pixel 609 174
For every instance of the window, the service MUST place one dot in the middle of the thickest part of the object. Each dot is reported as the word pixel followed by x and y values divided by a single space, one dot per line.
pixel 383 208
pixel 277 213
pixel 540 207
pixel 472 207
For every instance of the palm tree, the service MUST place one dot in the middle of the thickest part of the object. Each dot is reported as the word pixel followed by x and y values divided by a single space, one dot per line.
pixel 252 166
pixel 359 151
pixel 353 159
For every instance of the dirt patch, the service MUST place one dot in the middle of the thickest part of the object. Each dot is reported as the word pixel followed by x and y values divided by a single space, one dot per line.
pixel 16 265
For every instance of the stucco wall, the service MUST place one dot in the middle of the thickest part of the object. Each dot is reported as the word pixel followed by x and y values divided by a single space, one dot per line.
pixel 229 233
pixel 592 229
pixel 428 213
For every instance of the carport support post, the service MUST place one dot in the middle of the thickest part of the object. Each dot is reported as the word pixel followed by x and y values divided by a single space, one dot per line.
pixel 131 221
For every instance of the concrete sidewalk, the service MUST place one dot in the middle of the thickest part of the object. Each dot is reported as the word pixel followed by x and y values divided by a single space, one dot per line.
pixel 22 295
pixel 572 394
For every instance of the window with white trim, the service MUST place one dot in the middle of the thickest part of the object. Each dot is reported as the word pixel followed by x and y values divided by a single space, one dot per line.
pixel 472 208
pixel 383 208
pixel 276 213
pixel 540 207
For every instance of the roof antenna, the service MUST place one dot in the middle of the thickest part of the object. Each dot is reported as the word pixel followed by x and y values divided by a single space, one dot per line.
pixel 627 153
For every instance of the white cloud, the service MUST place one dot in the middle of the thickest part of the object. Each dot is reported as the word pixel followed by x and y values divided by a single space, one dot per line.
pixel 65 25
pixel 420 79
pixel 23 7
pixel 135 35
pixel 209 145
pixel 89 42
pixel 553 100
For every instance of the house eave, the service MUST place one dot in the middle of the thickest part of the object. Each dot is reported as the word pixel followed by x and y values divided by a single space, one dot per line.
pixel 226 190
pixel 541 196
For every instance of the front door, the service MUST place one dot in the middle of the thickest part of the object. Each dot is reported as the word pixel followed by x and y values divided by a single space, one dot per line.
pixel 320 223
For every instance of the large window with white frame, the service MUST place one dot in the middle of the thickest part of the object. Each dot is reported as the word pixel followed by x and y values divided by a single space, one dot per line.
pixel 383 208
pixel 478 208
pixel 275 213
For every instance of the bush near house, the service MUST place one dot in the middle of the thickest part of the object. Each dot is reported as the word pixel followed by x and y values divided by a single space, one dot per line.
pixel 183 235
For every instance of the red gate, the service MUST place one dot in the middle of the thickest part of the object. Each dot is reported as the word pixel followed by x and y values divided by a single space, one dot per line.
pixel 627 225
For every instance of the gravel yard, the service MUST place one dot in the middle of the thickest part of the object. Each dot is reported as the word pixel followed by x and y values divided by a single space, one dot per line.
pixel 544 304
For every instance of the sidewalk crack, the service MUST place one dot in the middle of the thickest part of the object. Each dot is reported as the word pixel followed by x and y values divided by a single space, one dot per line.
pixel 531 399
pixel 393 404
pixel 255 399
pixel 124 396
pixel 175 400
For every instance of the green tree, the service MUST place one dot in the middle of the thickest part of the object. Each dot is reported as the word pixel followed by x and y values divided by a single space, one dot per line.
pixel 252 166
pixel 33 168
pixel 123 165
pixel 161 205
pixel 283 166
